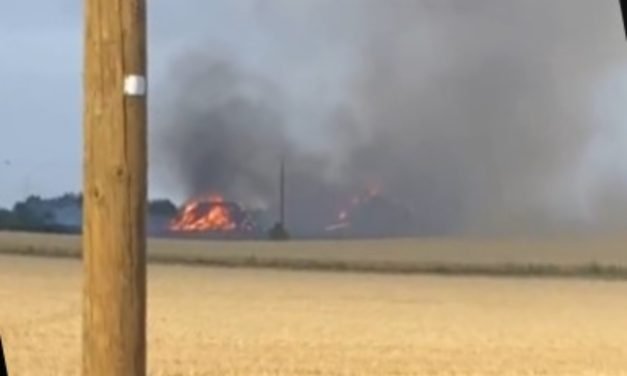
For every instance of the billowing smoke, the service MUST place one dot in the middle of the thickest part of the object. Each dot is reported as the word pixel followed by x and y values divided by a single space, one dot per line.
pixel 477 114
pixel 223 130
pixel 226 132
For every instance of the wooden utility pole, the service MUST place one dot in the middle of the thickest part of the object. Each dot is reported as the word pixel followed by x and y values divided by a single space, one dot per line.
pixel 115 189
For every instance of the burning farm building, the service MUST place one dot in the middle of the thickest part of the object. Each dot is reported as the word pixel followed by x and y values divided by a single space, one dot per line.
pixel 214 216
pixel 368 215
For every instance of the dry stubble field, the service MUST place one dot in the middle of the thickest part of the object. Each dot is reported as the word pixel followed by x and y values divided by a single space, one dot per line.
pixel 239 321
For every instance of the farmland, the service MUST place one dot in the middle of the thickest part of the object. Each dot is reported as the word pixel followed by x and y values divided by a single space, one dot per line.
pixel 278 320
pixel 591 257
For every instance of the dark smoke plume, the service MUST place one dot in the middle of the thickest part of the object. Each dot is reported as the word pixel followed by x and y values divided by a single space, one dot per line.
pixel 477 114
pixel 222 130
pixel 225 132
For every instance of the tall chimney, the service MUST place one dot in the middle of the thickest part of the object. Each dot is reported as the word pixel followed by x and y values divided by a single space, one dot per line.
pixel 278 231
pixel 282 192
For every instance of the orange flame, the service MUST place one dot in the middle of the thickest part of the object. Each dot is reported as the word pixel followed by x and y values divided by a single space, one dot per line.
pixel 204 215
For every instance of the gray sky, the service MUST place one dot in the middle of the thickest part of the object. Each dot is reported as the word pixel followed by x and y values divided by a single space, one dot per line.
pixel 40 83
pixel 40 90
pixel 40 64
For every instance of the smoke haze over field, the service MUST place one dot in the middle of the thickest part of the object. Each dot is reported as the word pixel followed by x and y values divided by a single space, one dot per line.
pixel 481 116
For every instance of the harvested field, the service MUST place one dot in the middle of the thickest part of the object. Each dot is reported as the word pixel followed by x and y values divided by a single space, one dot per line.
pixel 596 258
pixel 217 321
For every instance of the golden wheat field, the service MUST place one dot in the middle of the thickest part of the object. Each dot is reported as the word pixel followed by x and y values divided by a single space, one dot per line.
pixel 591 257
pixel 252 321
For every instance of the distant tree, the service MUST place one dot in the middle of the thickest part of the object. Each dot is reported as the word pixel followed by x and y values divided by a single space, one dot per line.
pixel 37 214
pixel 7 220
pixel 67 199
pixel 27 215
pixel 162 208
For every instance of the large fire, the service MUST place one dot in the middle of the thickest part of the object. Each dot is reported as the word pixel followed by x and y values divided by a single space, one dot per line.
pixel 212 214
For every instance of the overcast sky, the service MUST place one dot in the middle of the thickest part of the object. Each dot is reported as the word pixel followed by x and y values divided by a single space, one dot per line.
pixel 40 83
pixel 40 65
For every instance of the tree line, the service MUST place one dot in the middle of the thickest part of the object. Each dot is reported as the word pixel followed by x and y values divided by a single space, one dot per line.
pixel 62 214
